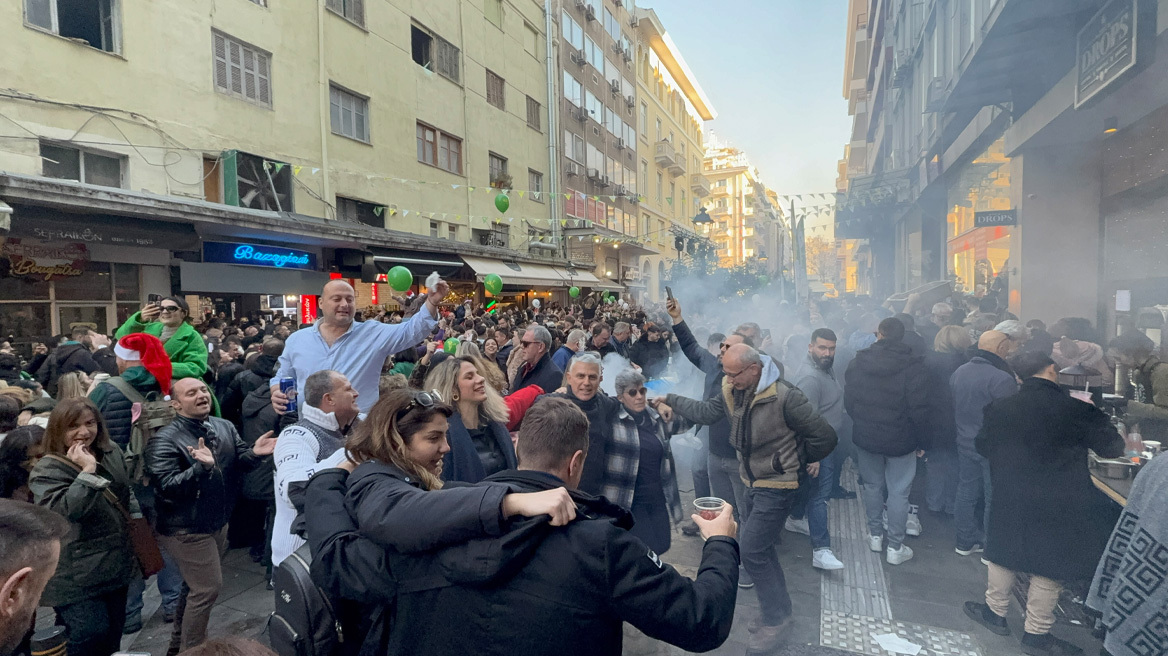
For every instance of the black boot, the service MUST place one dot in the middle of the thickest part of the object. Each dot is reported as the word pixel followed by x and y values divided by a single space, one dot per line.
pixel 981 613
pixel 1047 645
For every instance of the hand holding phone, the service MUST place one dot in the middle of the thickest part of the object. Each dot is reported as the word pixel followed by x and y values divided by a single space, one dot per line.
pixel 668 292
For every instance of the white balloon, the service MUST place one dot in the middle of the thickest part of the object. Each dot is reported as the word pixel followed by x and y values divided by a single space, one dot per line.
pixel 756 298
pixel 624 305
pixel 535 303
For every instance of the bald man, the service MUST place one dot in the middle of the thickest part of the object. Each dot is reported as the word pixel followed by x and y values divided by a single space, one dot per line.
pixel 355 350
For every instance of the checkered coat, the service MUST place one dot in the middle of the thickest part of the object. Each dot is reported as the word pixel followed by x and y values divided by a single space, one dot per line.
pixel 624 454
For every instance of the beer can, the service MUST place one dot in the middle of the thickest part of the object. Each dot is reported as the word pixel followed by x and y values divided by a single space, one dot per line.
pixel 287 385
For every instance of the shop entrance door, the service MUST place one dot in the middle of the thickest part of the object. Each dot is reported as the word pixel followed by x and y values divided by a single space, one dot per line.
pixel 97 317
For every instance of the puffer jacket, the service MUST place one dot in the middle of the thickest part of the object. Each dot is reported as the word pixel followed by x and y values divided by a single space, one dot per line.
pixel 97 557
pixel 258 374
pixel 783 432
pixel 67 358
pixel 887 397
pixel 943 427
pixel 258 418
pixel 116 409
pixel 191 497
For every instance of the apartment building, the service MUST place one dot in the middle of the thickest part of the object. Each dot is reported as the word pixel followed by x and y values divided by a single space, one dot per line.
pixel 747 222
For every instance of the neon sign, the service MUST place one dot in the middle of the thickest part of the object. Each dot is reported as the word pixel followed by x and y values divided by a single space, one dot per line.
pixel 260 255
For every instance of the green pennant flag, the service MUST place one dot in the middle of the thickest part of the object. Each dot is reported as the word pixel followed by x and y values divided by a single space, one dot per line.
pixel 669 200
pixel 378 210
pixel 279 166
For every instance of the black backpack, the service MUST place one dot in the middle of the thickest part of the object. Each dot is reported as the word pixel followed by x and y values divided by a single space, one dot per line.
pixel 304 622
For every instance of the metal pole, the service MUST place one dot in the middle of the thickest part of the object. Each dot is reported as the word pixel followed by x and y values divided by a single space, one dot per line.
pixel 553 190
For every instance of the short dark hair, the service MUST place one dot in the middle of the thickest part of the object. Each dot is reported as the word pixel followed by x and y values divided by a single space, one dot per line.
pixel 317 385
pixel 745 339
pixel 891 329
pixel 826 334
pixel 599 328
pixel 273 347
pixel 988 304
pixel 9 411
pixel 907 320
pixel 715 338
pixel 1030 363
pixel 79 331
pixel 182 305
pixel 553 430
pixel 26 531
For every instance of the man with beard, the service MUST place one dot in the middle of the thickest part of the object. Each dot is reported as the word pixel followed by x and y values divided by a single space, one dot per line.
pixel 583 383
pixel 809 516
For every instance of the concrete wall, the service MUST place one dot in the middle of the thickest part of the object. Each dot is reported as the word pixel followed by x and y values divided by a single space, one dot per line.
pixel 1055 249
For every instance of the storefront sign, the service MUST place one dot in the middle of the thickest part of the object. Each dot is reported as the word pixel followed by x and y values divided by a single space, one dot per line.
pixel 258 255
pixel 1106 48
pixel 48 225
pixel 36 259
pixel 997 218
pixel 373 293
pixel 307 308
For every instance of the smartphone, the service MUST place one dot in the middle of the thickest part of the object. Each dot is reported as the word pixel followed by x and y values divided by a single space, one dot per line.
pixel 766 333
pixel 668 293
pixel 154 299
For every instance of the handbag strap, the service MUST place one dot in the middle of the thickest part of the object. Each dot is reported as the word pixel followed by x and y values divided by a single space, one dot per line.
pixel 106 492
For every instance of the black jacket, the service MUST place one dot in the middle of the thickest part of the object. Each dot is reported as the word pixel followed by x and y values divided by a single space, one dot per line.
pixel 106 360
pixel 258 374
pixel 708 363
pixel 575 584
pixel 942 425
pixel 652 357
pixel 545 374
pixel 1047 517
pixel 223 377
pixel 602 412
pixel 69 357
pixel 258 418
pixel 888 400
pixel 462 462
pixel 190 497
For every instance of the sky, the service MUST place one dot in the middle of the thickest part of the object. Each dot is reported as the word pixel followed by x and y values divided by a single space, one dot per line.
pixel 773 70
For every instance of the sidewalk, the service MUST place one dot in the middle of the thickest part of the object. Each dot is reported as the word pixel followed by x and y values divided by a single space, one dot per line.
pixel 836 613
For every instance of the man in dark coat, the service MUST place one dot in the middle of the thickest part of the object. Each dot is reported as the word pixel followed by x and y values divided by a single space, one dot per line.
pixel 538 368
pixel 258 374
pixel 1047 519
pixel 72 355
pixel 888 400
pixel 651 352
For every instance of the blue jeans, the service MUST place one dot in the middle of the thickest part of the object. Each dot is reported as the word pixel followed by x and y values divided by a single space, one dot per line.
pixel 893 475
pixel 726 484
pixel 973 480
pixel 812 503
pixel 941 484
pixel 757 539
pixel 95 624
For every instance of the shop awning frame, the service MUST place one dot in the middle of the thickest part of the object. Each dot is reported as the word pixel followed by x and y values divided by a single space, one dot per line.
pixel 516 274
pixel 418 262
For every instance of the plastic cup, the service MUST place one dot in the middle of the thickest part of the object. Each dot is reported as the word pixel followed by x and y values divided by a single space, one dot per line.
pixel 709 507
pixel 1085 397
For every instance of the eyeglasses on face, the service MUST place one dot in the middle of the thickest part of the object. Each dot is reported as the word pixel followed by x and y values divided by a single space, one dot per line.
pixel 735 374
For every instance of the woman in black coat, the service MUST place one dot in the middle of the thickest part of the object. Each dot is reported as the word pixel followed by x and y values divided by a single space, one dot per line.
pixel 949 352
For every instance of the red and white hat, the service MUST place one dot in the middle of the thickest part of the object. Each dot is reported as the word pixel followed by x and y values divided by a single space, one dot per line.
pixel 149 350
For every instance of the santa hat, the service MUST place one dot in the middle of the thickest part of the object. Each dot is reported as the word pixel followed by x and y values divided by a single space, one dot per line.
pixel 147 349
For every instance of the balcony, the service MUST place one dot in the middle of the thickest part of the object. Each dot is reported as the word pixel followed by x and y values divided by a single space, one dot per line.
pixel 667 157
pixel 700 185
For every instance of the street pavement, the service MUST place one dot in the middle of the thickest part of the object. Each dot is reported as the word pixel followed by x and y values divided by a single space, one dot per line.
pixel 836 613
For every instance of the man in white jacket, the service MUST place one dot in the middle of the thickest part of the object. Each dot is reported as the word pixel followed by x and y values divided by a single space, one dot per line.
pixel 315 442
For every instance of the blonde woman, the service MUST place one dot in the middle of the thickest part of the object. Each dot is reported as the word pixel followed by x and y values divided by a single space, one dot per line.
pixel 73 385
pixel 479 442
pixel 486 367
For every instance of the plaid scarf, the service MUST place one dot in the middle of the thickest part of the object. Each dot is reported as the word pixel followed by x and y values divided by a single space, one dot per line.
pixel 740 419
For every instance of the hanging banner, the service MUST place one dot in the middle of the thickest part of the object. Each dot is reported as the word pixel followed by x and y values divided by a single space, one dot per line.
pixel 308 309
pixel 373 293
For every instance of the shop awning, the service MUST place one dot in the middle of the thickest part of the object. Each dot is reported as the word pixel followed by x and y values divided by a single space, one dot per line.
pixel 606 285
pixel 418 262
pixel 514 273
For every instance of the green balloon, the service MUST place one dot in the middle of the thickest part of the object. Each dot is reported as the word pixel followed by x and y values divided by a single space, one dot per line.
pixel 450 345
pixel 502 202
pixel 573 292
pixel 493 283
pixel 608 298
pixel 399 278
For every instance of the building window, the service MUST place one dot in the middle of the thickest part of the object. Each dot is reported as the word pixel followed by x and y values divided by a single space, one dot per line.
pixel 573 34
pixel 80 165
pixel 531 39
pixel 439 149
pixel 496 89
pixel 535 185
pixel 533 110
pixel 351 10
pixel 434 229
pixel 673 195
pixel 358 211
pixel 242 71
pixel 493 10
pixel 498 168
pixel 643 126
pixel 434 53
pixel 644 175
pixel 97 23
pixel 574 147
pixel 658 129
pixel 349 114
pixel 660 184
pixel 573 90
pixel 452 232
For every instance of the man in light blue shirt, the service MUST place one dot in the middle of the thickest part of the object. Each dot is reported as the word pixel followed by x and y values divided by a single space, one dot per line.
pixel 355 350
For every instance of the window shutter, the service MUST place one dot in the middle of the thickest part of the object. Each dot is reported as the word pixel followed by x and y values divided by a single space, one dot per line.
pixel 249 77
pixel 336 5
pixel 447 59
pixel 220 49
pixel 263 74
pixel 357 12
pixel 235 67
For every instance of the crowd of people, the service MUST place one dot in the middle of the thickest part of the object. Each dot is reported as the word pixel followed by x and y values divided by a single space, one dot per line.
pixel 528 463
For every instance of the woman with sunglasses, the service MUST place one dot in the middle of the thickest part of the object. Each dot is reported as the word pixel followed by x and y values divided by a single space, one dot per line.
pixel 640 475
pixel 479 442
pixel 169 321
pixel 83 477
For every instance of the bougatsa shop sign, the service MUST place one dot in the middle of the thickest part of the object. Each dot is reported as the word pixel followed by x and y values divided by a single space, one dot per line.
pixel 258 255
pixel 35 259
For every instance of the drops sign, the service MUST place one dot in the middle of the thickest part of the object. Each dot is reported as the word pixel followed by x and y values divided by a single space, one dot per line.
pixel 258 255
pixel 1106 48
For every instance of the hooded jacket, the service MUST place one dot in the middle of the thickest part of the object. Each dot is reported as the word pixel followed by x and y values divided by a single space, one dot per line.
pixel 116 409
pixel 575 584
pixel 887 397
pixel 652 357
pixel 976 384
pixel 782 433
pixel 67 358
pixel 257 375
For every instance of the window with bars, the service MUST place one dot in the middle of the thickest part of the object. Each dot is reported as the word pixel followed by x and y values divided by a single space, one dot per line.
pixel 351 10
pixel 496 90
pixel 439 149
pixel 533 110
pixel 349 114
pixel 242 70
pixel 535 184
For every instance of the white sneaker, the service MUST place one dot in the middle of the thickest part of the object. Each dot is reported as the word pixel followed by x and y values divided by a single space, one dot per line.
pixel 898 556
pixel 913 525
pixel 798 526
pixel 876 543
pixel 825 559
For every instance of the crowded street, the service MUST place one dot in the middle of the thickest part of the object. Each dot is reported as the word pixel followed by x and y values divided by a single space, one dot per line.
pixel 583 328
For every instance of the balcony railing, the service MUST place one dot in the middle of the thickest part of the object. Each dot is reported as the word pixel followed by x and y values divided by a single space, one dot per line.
pixel 700 185
pixel 666 156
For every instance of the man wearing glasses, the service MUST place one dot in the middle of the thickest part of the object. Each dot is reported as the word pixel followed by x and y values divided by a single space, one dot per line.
pixel 354 350
pixel 776 433
pixel 538 368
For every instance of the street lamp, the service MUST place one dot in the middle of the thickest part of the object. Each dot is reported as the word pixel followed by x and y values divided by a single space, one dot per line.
pixel 703 217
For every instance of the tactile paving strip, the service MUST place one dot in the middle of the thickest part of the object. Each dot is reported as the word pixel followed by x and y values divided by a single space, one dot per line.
pixel 854 633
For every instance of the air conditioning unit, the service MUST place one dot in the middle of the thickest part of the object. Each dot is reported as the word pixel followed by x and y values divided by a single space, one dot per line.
pixel 620 144
pixel 628 55
pixel 572 169
pixel 615 86
pixel 594 175
pixel 633 197
pixel 619 190
pixel 617 47
pixel 577 59
pixel 634 21
pixel 618 3
pixel 632 273
pixel 936 94
pixel 631 101
pixel 580 114
pixel 604 181
pixel 581 5
pixel 590 14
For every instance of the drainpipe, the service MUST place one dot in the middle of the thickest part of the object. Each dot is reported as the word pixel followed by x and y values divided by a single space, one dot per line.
pixel 323 82
pixel 553 122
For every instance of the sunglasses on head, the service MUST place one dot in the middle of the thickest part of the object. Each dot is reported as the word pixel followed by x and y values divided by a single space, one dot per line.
pixel 420 400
